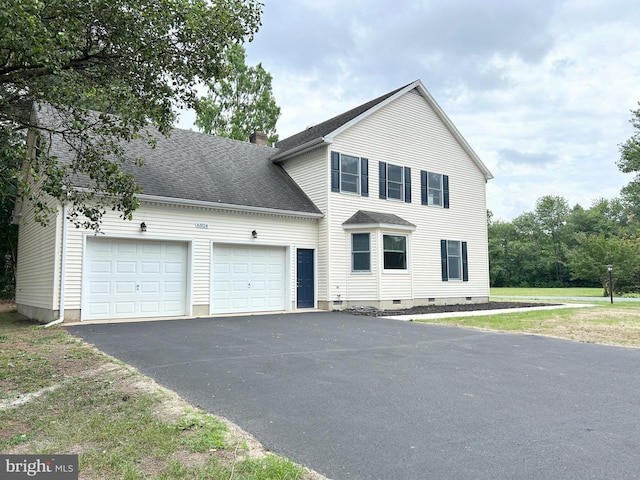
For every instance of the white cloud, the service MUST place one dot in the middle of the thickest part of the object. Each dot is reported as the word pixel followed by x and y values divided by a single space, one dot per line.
pixel 541 89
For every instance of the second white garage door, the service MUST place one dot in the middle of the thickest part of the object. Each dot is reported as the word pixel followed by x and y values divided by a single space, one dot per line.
pixel 247 279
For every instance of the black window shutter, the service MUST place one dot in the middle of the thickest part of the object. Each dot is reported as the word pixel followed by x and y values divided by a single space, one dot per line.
pixel 407 184
pixel 335 172
pixel 423 186
pixel 364 177
pixel 465 265
pixel 443 258
pixel 382 170
pixel 445 190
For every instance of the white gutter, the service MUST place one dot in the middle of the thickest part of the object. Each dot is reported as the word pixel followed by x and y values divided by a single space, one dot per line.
pixel 63 268
pixel 226 206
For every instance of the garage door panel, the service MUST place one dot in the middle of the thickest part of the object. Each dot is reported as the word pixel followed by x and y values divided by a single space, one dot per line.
pixel 150 267
pixel 100 288
pixel 149 307
pixel 172 287
pixel 152 288
pixel 126 248
pixel 100 267
pixel 247 278
pixel 125 308
pixel 130 278
pixel 239 286
pixel 173 268
pixel 125 267
pixel 125 288
pixel 97 309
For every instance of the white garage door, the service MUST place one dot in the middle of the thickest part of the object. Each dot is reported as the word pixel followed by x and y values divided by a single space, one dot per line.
pixel 132 278
pixel 247 279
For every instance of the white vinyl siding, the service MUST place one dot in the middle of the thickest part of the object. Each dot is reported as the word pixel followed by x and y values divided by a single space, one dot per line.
pixel 38 267
pixel 396 134
pixel 311 171
pixel 179 223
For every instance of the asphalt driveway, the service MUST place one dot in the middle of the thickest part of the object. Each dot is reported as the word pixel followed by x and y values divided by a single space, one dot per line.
pixel 369 398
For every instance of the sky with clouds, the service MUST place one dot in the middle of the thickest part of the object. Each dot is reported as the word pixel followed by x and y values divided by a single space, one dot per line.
pixel 542 90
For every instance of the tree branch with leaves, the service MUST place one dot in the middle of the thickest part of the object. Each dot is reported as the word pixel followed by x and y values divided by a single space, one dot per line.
pixel 134 62
pixel 240 103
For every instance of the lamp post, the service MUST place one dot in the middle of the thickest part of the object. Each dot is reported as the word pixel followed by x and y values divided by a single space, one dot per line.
pixel 610 269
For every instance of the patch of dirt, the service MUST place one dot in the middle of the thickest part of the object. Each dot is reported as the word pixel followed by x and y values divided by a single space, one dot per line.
pixel 7 305
pixel 459 307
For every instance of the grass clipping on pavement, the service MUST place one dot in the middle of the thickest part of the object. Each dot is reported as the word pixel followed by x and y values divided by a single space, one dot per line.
pixel 61 396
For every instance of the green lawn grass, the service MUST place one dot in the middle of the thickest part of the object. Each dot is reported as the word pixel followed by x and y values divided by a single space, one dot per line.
pixel 609 324
pixel 547 292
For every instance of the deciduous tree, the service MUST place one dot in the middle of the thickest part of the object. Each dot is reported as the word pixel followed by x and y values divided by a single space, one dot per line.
pixel 590 258
pixel 240 103
pixel 136 59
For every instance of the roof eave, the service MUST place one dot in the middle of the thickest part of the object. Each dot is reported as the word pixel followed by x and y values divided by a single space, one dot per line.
pixel 216 205
pixel 301 149
pixel 227 206
pixel 386 226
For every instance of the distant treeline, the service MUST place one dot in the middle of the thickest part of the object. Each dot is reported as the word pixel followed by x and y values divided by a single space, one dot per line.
pixel 559 246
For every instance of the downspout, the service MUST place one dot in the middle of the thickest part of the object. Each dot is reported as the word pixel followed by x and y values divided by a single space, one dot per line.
pixel 63 268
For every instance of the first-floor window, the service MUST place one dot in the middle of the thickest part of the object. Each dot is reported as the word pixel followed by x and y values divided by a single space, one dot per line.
pixel 360 252
pixel 454 260
pixel 395 252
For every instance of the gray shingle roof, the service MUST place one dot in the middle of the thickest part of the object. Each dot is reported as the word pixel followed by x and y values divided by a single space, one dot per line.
pixel 363 217
pixel 195 166
pixel 328 126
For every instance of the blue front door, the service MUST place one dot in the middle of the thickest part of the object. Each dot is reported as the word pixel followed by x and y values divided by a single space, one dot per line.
pixel 305 298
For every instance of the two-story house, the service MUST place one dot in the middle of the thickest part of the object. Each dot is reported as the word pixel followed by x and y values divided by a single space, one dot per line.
pixel 383 205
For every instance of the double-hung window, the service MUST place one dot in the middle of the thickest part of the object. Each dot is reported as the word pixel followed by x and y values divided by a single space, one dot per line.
pixel 435 189
pixel 395 182
pixel 360 252
pixel 395 252
pixel 349 174
pixel 453 255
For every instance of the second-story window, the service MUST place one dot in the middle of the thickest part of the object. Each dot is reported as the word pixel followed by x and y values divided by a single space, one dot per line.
pixel 435 189
pixel 349 174
pixel 395 182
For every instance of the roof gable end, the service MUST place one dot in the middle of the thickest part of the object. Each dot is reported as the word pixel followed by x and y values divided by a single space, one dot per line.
pixel 325 132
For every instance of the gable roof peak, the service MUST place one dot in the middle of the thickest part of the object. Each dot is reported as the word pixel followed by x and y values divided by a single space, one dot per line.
pixel 329 127
pixel 324 132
